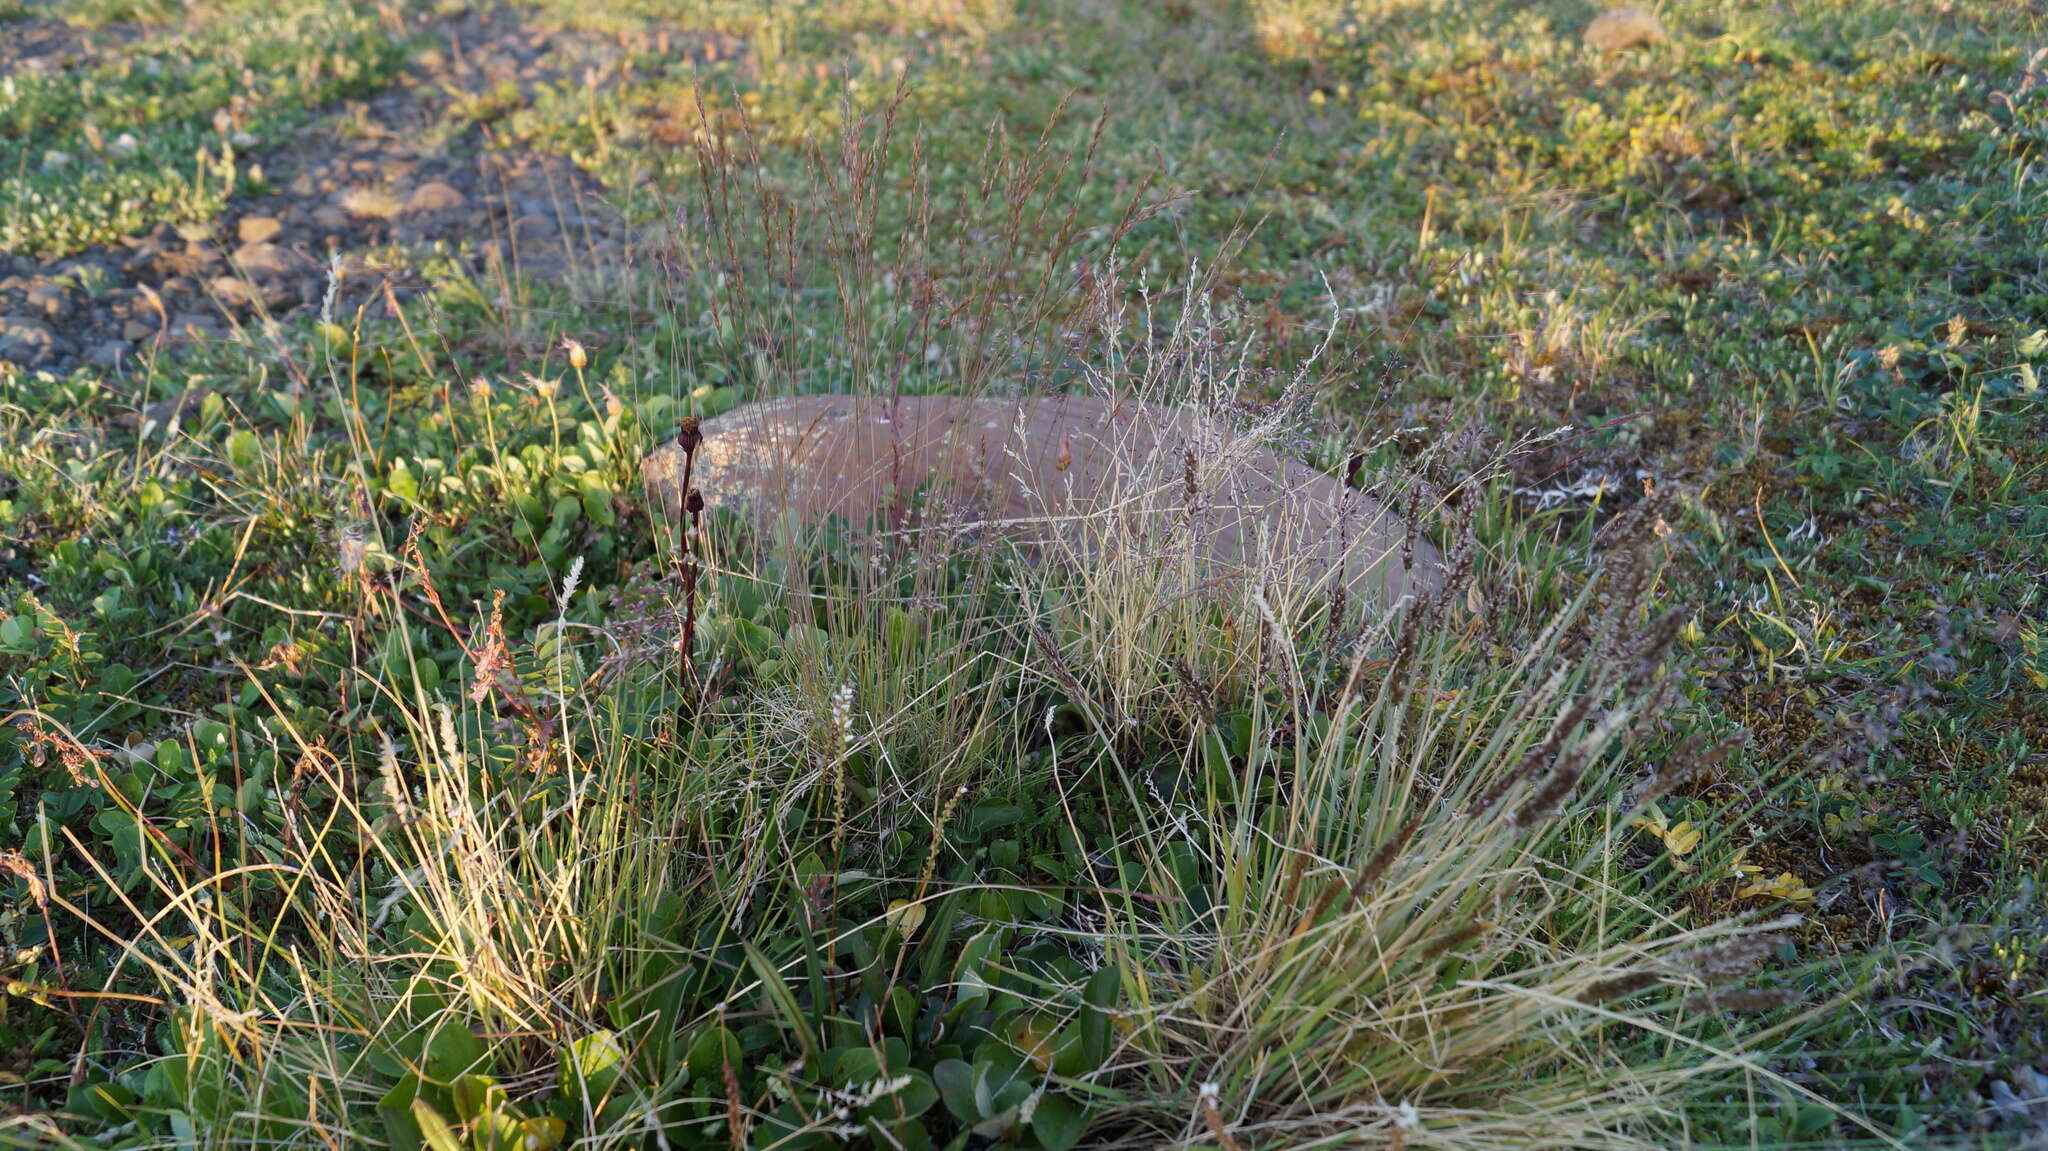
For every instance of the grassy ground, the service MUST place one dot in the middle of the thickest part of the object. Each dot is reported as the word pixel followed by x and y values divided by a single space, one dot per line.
pixel 291 861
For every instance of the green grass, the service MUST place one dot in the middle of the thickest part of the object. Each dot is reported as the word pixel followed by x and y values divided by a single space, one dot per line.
pixel 292 873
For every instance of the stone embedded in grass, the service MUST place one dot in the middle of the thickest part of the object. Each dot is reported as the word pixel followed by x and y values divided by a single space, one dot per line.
pixel 1089 475
pixel 1625 27
pixel 163 412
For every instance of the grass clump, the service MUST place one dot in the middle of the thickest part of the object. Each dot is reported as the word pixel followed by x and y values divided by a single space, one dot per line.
pixel 1034 852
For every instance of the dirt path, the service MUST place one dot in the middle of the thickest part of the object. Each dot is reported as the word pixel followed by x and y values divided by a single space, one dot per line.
pixel 350 199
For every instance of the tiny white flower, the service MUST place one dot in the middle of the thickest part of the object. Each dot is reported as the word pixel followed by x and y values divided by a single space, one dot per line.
pixel 842 711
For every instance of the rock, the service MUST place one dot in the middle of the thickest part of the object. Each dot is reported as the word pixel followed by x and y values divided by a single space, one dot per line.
pixel 268 261
pixel 331 219
pixel 533 228
pixel 278 295
pixel 27 340
pixel 188 325
pixel 183 261
pixel 434 196
pixel 370 203
pixel 536 206
pixel 142 257
pixel 52 300
pixel 137 330
pixel 163 412
pixel 258 229
pixel 1086 475
pixel 232 293
pixel 1625 27
pixel 109 354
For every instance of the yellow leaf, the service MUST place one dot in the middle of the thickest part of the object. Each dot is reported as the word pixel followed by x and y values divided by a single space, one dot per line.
pixel 542 1134
pixel 1035 1043
pixel 1682 838
pixel 1679 839
pixel 905 916
pixel 1787 886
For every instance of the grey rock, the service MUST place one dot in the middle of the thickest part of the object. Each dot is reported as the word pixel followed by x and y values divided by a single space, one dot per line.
pixel 189 325
pixel 534 228
pixel 26 331
pixel 332 219
pixel 52 300
pixel 30 342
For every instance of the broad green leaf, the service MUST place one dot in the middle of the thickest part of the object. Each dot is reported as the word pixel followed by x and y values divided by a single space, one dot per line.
pixel 401 1129
pixel 1099 996
pixel 434 1130
pixel 1058 1123
pixel 712 1051
pixel 593 1065
pixel 955 1080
